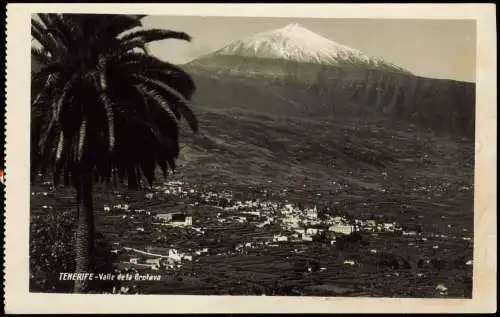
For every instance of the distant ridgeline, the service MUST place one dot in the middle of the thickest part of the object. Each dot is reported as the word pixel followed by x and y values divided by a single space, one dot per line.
pixel 442 105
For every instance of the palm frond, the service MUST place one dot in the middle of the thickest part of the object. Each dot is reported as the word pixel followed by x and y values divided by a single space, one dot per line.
pixel 102 72
pixel 64 95
pixel 156 97
pixel 58 34
pixel 180 80
pixel 123 48
pixel 153 35
pixel 108 108
pixel 46 18
pixel 46 145
pixel 153 130
pixel 37 29
pixel 47 41
pixel 60 145
pixel 150 66
pixel 40 56
pixel 37 26
pixel 46 134
pixel 59 159
pixel 41 76
pixel 64 28
pixel 81 139
pixel 178 100
pixel 43 87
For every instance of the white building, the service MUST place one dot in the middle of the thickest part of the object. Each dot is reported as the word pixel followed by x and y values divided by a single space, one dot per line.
pixel 312 214
pixel 371 223
pixel 278 238
pixel 409 233
pixel 349 262
pixel 388 226
pixel 311 231
pixel 174 255
pixel 123 207
pixel 164 217
pixel 237 248
pixel 306 237
pixel 345 229
pixel 442 289
pixel 177 219
pixel 134 260
pixel 337 219
pixel 254 213
pixel 199 252
pixel 153 261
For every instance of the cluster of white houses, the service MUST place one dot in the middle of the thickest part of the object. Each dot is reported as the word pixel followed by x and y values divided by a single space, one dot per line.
pixel 174 219
pixel 297 224
pixel 305 223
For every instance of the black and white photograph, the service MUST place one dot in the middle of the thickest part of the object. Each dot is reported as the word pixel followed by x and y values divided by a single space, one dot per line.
pixel 252 156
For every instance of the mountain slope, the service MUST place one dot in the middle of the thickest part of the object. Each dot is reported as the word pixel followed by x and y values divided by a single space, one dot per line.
pixel 245 149
pixel 445 106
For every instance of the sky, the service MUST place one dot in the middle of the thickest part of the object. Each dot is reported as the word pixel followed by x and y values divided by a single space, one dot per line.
pixel 430 48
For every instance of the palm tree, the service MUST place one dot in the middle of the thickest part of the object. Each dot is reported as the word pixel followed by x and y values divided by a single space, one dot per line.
pixel 103 107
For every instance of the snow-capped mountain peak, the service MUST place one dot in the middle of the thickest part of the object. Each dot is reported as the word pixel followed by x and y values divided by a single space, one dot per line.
pixel 296 43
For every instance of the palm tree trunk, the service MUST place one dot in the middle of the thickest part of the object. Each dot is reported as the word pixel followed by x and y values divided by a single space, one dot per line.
pixel 132 179
pixel 66 178
pixel 114 177
pixel 85 232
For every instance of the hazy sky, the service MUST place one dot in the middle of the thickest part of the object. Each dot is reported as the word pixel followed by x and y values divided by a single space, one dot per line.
pixel 431 48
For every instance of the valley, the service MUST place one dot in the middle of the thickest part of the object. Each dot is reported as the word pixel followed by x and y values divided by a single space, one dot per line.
pixel 388 171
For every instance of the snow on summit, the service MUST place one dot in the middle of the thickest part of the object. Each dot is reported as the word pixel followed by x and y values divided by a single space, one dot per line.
pixel 296 43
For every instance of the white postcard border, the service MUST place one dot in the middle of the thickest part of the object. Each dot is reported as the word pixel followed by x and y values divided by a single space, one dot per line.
pixel 19 300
